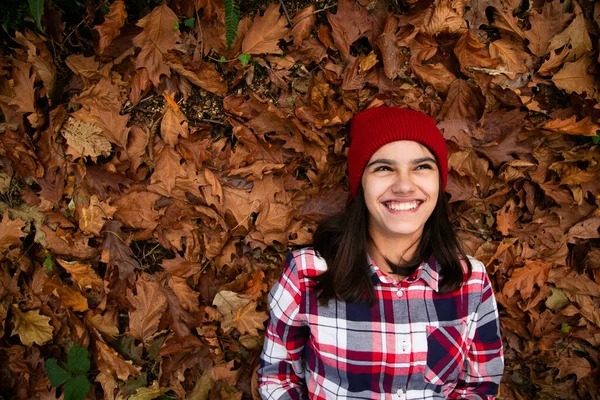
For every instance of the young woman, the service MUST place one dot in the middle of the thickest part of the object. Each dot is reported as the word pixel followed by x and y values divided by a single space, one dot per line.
pixel 386 305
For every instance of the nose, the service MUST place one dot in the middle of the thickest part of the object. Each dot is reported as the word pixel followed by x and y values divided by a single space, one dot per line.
pixel 403 182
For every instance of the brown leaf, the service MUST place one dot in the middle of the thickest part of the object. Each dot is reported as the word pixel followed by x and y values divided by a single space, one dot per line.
pixel 462 103
pixel 158 37
pixel 472 53
pixel 248 320
pixel 206 76
pixel 587 229
pixel 348 24
pixel 31 326
pixel 149 303
pixel 545 25
pixel 436 75
pixel 506 217
pixel 168 169
pixel 303 24
pixel 576 36
pixel 93 217
pixel 85 138
pixel 137 210
pixel 523 279
pixel 173 125
pixel 575 77
pixel 83 274
pixel 113 22
pixel 117 254
pixel 265 32
pixel 187 297
pixel 87 67
pixel 10 232
pixel 180 267
pixel 112 363
pixel 24 91
pixel 68 296
pixel 257 285
pixel 446 17
pixel 570 126
pixel 228 302
pixel 579 366
pixel 513 60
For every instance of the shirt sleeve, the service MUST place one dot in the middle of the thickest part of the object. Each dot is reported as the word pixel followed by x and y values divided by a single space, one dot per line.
pixel 484 365
pixel 281 371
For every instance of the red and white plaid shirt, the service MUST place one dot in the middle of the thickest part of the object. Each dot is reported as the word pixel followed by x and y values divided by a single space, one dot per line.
pixel 412 344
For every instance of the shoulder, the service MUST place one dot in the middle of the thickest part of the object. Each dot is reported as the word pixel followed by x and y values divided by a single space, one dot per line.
pixel 307 262
pixel 479 275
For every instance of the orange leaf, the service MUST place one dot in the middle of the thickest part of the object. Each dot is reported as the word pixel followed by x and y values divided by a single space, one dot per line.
pixel 113 22
pixel 265 32
pixel 248 320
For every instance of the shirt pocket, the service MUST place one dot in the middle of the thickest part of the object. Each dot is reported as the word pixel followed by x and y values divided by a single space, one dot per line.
pixel 445 353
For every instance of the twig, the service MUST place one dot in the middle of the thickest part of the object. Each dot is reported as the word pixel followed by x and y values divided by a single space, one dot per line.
pixel 316 12
pixel 210 121
pixel 285 11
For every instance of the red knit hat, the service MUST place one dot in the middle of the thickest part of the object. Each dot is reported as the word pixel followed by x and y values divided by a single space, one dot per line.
pixel 376 127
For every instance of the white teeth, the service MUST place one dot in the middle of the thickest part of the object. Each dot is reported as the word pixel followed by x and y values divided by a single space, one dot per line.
pixel 403 206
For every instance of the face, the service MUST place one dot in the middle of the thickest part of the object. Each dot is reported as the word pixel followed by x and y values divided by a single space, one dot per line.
pixel 401 184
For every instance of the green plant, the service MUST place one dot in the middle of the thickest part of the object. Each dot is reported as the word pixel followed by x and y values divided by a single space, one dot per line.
pixel 37 9
pixel 78 364
pixel 232 18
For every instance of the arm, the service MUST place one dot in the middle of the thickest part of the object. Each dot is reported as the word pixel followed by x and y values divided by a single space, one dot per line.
pixel 484 365
pixel 281 372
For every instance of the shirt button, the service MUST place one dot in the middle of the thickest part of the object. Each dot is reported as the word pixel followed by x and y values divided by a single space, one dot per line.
pixel 404 346
pixel 399 293
pixel 399 392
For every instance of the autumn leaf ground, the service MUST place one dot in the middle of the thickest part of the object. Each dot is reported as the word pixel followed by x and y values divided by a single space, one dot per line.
pixel 149 191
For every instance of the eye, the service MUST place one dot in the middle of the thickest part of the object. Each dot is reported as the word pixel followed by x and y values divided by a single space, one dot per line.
pixel 382 168
pixel 424 166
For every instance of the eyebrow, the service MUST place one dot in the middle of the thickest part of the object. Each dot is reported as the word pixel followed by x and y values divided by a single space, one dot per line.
pixel 387 161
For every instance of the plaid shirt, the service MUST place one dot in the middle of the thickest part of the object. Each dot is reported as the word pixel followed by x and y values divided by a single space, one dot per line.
pixel 412 344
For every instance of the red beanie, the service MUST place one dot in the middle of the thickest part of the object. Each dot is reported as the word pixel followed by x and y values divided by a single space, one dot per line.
pixel 376 127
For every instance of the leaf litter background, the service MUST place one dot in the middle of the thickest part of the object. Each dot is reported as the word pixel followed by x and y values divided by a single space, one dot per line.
pixel 150 193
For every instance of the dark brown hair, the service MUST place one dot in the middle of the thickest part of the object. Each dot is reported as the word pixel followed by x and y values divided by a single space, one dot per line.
pixel 342 241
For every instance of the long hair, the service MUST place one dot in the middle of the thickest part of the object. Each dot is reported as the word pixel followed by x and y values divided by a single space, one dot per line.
pixel 342 241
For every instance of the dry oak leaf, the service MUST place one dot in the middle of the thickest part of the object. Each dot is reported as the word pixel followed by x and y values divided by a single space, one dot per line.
pixel 575 77
pixel 436 75
pixel 576 36
pixel 206 76
pixel 445 17
pixel 105 324
pixel 472 53
pixel 545 25
pixel 265 32
pixel 579 366
pixel 348 24
pixel 389 48
pixel 85 138
pixel 168 169
pixel 158 37
pixel 523 279
pixel 87 67
pixel 10 232
pixel 68 296
pixel 31 327
pixel 112 363
pixel 570 126
pixel 303 24
pixel 137 210
pixel 108 383
pixel 228 302
pixel 149 302
pixel 113 22
pixel 173 125
pixel 256 286
pixel 93 217
pixel 24 81
pixel 248 320
pixel 187 297
pixel 82 273
pixel 513 60
pixel 116 253
pixel 39 55
pixel 506 217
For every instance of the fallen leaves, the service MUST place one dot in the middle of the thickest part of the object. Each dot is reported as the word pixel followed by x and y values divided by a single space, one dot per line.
pixel 148 197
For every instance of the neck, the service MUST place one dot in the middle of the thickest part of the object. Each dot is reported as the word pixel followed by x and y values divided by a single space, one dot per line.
pixel 392 250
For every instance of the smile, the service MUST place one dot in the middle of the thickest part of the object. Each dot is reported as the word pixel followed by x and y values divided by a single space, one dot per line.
pixel 404 206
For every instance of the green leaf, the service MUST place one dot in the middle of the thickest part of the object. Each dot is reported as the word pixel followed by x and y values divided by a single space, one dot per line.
pixel 244 59
pixel 78 360
pixel 596 139
pixel 176 26
pixel 76 388
pixel 37 9
pixel 222 59
pixel 56 374
pixel 189 22
pixel 48 263
pixel 565 328
pixel 232 19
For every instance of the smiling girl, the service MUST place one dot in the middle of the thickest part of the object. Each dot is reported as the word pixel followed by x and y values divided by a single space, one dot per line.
pixel 385 305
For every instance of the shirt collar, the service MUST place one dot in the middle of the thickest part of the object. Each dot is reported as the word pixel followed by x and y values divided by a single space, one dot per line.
pixel 428 271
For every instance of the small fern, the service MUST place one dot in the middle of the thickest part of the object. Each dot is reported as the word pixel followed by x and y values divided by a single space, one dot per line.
pixel 232 18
